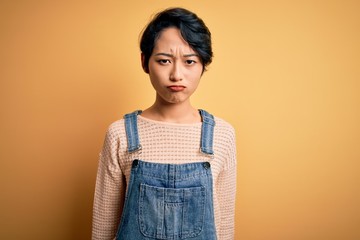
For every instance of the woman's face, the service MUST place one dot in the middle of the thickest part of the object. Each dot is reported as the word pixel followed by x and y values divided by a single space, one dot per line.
pixel 175 68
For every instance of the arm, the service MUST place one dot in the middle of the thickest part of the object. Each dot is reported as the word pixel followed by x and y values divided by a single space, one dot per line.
pixel 227 184
pixel 226 196
pixel 109 190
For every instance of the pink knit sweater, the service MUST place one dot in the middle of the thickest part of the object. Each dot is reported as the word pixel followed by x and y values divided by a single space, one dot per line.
pixel 163 142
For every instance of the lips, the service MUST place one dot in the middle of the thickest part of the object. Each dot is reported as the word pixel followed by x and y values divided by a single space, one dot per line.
pixel 176 88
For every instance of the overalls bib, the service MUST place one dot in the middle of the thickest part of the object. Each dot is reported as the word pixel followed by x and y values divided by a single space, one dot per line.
pixel 169 201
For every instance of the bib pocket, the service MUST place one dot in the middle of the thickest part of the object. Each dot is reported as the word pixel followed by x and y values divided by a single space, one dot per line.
pixel 165 213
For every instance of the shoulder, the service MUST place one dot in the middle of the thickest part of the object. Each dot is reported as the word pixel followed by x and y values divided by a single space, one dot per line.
pixel 115 131
pixel 224 133
pixel 116 127
pixel 225 142
pixel 115 136
pixel 222 125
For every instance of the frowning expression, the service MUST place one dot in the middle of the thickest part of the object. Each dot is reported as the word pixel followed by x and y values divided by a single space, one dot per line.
pixel 174 67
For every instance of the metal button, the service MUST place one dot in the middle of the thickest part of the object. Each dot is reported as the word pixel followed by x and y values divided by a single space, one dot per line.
pixel 206 165
pixel 135 163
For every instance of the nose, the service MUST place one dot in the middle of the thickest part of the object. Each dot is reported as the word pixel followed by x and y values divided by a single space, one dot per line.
pixel 176 72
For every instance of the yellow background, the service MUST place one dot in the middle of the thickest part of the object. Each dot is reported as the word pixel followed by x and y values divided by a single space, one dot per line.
pixel 286 74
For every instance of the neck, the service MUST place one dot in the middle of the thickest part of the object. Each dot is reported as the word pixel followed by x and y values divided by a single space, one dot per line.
pixel 182 112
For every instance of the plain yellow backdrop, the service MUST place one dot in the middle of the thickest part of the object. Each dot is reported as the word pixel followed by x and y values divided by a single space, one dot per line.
pixel 286 74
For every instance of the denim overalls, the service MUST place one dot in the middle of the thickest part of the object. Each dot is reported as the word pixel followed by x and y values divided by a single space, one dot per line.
pixel 169 201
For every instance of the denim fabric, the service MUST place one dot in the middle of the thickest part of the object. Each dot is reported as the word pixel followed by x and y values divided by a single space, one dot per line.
pixel 132 131
pixel 169 201
pixel 207 132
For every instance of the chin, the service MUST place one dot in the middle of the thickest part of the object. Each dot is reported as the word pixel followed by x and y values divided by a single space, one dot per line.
pixel 174 98
pixel 175 101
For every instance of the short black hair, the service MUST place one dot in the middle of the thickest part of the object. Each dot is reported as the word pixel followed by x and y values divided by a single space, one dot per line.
pixel 192 29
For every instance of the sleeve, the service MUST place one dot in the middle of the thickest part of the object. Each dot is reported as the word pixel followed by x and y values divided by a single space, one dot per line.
pixel 227 183
pixel 109 190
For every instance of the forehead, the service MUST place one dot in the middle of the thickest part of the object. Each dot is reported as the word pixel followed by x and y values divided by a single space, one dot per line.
pixel 170 40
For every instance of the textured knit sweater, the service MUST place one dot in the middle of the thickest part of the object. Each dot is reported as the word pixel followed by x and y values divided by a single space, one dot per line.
pixel 163 142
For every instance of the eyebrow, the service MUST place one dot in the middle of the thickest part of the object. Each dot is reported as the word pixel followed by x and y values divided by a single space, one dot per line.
pixel 171 55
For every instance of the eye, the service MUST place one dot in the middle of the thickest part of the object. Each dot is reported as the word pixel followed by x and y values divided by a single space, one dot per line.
pixel 190 62
pixel 163 61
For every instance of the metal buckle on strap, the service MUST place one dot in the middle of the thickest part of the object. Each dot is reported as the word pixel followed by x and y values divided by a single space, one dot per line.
pixel 136 150
pixel 212 156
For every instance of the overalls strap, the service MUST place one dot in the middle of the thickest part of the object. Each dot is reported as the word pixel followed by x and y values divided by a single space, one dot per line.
pixel 131 129
pixel 207 132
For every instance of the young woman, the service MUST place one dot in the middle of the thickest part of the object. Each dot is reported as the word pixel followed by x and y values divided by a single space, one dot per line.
pixel 168 172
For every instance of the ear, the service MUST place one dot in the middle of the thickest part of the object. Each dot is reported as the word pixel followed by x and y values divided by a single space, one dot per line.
pixel 145 68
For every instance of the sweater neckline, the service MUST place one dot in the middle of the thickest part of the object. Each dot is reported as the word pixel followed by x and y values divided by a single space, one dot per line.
pixel 169 123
